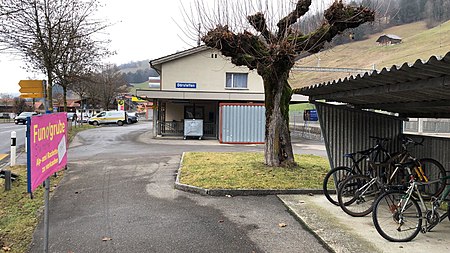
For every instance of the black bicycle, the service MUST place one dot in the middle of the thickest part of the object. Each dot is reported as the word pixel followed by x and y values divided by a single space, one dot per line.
pixel 357 193
pixel 337 175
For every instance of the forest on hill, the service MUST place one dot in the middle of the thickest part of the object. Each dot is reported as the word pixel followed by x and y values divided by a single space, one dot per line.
pixel 137 71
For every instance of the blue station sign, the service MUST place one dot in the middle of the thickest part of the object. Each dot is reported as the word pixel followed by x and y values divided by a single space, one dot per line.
pixel 182 85
pixel 310 115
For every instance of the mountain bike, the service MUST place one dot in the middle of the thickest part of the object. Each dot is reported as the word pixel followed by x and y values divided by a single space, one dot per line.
pixel 357 193
pixel 399 216
pixel 337 175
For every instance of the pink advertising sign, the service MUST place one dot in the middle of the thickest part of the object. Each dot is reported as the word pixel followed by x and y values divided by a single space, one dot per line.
pixel 47 147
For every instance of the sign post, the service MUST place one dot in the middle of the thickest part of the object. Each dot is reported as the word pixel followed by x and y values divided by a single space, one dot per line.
pixel 47 154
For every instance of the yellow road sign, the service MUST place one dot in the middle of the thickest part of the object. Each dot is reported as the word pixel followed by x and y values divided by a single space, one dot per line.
pixel 30 83
pixel 38 89
pixel 136 99
pixel 32 95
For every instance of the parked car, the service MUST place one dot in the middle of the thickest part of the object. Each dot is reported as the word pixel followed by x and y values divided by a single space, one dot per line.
pixel 109 117
pixel 4 115
pixel 71 116
pixel 132 117
pixel 22 117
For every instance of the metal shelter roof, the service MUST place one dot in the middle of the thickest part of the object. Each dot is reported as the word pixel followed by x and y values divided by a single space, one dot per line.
pixel 420 90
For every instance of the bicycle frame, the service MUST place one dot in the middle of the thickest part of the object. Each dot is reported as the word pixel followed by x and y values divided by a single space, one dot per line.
pixel 413 188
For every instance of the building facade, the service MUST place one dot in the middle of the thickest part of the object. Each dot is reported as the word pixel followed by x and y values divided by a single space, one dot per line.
pixel 194 83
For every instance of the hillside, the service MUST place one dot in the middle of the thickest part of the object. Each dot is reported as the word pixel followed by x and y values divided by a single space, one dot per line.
pixel 134 66
pixel 137 72
pixel 418 43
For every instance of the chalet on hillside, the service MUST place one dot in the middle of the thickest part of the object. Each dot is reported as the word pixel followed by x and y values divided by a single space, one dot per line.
pixel 389 39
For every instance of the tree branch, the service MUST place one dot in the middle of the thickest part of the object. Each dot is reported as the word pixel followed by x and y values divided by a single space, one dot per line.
pixel 301 9
pixel 245 49
pixel 258 21
pixel 339 18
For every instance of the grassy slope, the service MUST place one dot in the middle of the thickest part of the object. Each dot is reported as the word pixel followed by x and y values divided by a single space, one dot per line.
pixel 143 85
pixel 418 43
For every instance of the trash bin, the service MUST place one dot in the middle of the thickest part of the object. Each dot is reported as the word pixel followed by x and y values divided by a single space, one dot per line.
pixel 193 127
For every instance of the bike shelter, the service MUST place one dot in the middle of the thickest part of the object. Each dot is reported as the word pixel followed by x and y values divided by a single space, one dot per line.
pixel 377 103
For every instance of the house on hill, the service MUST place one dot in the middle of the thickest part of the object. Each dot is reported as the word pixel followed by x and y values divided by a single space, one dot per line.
pixel 201 85
pixel 389 39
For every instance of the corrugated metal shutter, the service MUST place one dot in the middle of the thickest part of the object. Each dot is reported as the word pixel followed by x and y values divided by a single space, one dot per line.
pixel 242 123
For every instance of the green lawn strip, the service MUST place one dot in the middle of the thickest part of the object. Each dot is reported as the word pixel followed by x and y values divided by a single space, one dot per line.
pixel 247 171
pixel 76 129
pixel 300 107
pixel 19 213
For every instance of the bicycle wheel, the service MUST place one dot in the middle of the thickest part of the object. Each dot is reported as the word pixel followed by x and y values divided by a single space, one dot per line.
pixel 448 210
pixel 391 222
pixel 330 186
pixel 357 194
pixel 432 171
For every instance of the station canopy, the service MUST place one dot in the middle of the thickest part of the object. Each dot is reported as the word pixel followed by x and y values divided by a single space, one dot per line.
pixel 419 90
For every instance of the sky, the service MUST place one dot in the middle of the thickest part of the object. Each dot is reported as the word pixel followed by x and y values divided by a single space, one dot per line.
pixel 141 30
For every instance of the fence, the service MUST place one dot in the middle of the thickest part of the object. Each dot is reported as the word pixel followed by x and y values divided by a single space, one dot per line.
pixel 304 129
pixel 6 120
pixel 311 130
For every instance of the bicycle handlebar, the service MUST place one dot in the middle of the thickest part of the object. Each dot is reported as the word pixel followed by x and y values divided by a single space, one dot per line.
pixel 406 141
pixel 379 139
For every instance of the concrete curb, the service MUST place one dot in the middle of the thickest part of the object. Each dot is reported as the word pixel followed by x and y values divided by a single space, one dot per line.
pixel 237 192
pixel 305 225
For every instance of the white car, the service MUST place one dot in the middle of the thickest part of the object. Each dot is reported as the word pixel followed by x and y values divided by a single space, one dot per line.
pixel 109 117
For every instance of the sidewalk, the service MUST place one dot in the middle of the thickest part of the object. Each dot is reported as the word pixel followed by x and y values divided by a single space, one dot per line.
pixel 343 233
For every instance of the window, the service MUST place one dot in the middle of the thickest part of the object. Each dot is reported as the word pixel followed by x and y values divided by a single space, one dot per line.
pixel 236 81
pixel 193 112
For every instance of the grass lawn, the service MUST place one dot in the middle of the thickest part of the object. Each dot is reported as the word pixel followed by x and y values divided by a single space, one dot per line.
pixel 247 171
pixel 19 213
pixel 301 107
pixel 74 130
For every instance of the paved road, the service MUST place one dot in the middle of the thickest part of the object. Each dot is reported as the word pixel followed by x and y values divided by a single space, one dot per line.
pixel 119 185
pixel 5 136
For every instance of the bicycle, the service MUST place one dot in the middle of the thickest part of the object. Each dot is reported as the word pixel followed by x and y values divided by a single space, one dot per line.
pixel 397 215
pixel 340 173
pixel 357 193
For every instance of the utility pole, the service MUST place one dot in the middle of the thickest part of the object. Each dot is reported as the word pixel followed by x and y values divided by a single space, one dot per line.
pixel 199 34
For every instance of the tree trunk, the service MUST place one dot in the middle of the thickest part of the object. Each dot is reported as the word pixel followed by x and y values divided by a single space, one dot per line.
pixel 278 147
pixel 65 97
pixel 49 91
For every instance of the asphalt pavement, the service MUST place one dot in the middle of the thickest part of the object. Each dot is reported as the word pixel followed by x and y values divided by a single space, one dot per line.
pixel 118 196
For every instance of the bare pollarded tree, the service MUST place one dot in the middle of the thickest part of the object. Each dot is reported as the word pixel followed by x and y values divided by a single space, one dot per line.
pixel 269 44
pixel 42 31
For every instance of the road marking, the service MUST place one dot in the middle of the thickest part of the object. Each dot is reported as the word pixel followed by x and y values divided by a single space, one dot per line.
pixel 3 156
